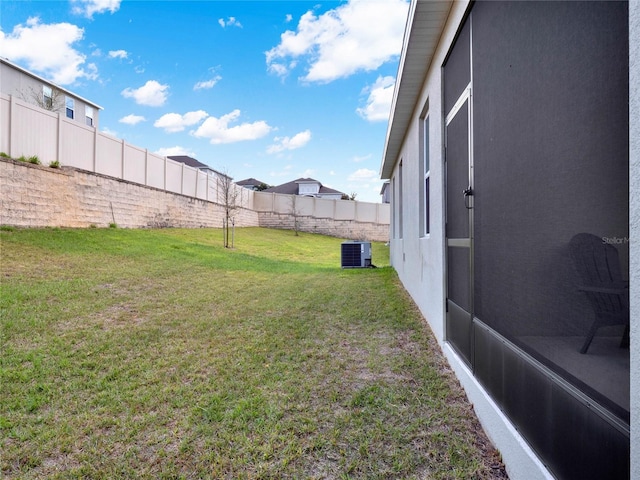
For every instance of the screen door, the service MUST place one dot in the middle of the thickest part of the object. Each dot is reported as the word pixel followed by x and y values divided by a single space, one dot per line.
pixel 459 195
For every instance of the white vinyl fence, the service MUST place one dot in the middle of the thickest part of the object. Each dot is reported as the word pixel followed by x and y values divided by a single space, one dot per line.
pixel 322 208
pixel 27 130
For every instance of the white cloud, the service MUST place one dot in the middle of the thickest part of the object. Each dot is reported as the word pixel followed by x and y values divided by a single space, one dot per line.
pixel 218 130
pixel 379 102
pixel 132 119
pixel 360 35
pixel 48 49
pixel 173 151
pixel 285 143
pixel 108 131
pixel 358 159
pixel 363 175
pixel 89 7
pixel 288 18
pixel 230 22
pixel 207 84
pixel 174 122
pixel 152 94
pixel 118 54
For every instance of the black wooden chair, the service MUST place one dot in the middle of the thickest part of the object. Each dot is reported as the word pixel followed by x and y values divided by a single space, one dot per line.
pixel 598 267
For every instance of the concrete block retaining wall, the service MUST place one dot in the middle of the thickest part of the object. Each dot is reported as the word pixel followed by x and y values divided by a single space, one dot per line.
pixel 39 196
pixel 327 226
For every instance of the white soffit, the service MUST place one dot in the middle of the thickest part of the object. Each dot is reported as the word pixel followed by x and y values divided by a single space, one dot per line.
pixel 425 24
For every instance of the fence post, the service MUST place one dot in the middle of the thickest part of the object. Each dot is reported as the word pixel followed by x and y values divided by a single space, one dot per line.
pixel 95 150
pixel 182 179
pixel 59 138
pixel 12 130
pixel 146 166
pixel 122 162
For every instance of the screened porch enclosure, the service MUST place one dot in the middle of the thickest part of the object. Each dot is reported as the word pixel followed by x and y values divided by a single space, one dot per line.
pixel 536 126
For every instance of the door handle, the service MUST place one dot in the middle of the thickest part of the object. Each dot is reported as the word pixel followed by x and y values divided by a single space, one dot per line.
pixel 467 192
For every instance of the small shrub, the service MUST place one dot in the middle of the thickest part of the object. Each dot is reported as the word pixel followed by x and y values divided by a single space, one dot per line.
pixel 93 225
pixel 7 228
pixel 34 159
pixel 54 164
pixel 113 225
pixel 4 155
pixel 22 158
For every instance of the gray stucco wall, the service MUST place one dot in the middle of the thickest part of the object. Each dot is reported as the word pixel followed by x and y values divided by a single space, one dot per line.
pixel 634 228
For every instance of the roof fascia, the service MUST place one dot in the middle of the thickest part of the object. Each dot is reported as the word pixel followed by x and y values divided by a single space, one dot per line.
pixel 425 23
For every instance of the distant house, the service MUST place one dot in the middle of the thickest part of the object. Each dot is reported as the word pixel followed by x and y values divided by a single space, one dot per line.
pixel 31 88
pixel 385 192
pixel 192 162
pixel 307 187
pixel 250 183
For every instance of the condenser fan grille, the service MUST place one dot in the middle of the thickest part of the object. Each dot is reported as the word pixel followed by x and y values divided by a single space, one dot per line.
pixel 356 254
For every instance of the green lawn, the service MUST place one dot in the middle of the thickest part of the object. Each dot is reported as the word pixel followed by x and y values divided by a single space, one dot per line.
pixel 160 354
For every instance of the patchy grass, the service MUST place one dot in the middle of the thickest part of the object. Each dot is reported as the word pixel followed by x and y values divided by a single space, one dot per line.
pixel 160 354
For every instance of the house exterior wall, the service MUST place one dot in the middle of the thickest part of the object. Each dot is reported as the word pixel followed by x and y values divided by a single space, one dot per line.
pixel 23 85
pixel 634 230
pixel 420 259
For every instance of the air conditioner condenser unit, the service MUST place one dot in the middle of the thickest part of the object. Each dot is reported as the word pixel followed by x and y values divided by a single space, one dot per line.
pixel 356 255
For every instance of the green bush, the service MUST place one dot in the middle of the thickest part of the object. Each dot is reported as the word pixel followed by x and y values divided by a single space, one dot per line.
pixel 34 159
pixel 54 164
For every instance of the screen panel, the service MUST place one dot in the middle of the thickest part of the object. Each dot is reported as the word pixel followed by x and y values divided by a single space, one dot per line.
pixel 457 68
pixel 457 162
pixel 551 161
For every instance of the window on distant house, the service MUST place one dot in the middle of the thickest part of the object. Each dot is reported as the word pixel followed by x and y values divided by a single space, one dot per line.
pixel 88 114
pixel 69 107
pixel 47 97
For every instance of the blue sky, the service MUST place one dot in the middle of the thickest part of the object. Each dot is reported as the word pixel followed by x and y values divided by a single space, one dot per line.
pixel 274 90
